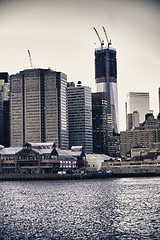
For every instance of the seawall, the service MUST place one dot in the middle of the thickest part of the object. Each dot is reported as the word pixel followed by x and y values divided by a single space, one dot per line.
pixel 36 177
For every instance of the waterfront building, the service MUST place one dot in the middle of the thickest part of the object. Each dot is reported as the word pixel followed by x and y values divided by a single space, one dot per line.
pixel 139 102
pixel 145 166
pixel 38 107
pixel 36 158
pixel 80 116
pixel 4 108
pixel 95 161
pixel 78 153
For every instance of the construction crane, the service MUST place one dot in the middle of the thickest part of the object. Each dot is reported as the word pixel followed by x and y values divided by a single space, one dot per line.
pixel 30 58
pixel 101 40
pixel 108 41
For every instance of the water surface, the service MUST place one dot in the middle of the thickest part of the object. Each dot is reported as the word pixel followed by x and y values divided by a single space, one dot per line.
pixel 126 208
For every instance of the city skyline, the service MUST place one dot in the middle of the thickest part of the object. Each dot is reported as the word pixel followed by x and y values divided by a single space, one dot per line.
pixel 61 36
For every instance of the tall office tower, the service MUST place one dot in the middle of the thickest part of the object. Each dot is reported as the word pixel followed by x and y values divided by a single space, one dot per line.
pixel 100 122
pixel 4 108
pixel 80 116
pixel 38 108
pixel 106 81
pixel 138 101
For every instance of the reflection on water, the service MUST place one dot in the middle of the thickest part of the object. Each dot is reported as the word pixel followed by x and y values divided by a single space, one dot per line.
pixel 125 208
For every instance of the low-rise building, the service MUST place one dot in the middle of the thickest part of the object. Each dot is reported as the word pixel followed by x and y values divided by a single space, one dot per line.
pixel 36 158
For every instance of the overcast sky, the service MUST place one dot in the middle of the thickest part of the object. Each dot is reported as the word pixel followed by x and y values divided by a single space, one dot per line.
pixel 60 35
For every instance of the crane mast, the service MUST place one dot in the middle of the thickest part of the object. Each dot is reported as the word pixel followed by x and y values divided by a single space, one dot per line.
pixel 30 58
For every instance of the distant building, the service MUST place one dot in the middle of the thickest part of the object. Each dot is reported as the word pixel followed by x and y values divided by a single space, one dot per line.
pixel 80 116
pixel 132 120
pixel 38 107
pixel 139 102
pixel 146 135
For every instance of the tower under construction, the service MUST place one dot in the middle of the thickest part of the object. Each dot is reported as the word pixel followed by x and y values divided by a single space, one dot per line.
pixel 106 82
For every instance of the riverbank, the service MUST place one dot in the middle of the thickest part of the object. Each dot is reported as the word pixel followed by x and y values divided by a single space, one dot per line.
pixel 37 177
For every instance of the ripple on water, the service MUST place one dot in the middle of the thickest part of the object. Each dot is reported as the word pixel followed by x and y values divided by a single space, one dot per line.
pixel 91 209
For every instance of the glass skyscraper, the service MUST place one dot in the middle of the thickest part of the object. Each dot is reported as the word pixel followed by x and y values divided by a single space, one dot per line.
pixel 139 102
pixel 38 108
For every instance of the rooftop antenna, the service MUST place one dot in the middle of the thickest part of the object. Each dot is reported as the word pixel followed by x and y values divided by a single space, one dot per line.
pixel 101 40
pixel 30 58
pixel 108 41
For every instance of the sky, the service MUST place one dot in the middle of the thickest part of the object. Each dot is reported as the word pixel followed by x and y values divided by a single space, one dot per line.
pixel 60 36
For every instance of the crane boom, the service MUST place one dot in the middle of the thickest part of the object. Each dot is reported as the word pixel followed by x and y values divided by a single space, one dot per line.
pixel 108 42
pixel 30 58
pixel 101 41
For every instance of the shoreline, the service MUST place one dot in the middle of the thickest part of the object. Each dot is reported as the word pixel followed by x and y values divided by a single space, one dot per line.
pixel 54 177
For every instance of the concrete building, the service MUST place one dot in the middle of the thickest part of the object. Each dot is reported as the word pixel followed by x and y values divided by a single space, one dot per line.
pixel 146 135
pixel 80 116
pixel 38 107
pixel 139 102
pixel 132 120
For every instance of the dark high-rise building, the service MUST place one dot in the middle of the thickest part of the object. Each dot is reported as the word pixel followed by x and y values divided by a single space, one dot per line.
pixel 105 100
pixel 38 110
pixel 99 119
pixel 4 108
pixel 106 81
pixel 80 116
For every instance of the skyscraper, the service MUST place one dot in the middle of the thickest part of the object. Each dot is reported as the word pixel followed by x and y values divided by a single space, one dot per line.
pixel 105 100
pixel 4 108
pixel 138 101
pixel 80 116
pixel 106 81
pixel 38 107
pixel 100 123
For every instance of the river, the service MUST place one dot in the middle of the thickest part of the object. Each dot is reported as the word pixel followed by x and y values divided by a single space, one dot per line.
pixel 98 209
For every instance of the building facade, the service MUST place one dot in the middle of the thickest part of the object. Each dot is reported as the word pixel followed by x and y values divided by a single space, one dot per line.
pixel 80 116
pixel 139 102
pixel 38 107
